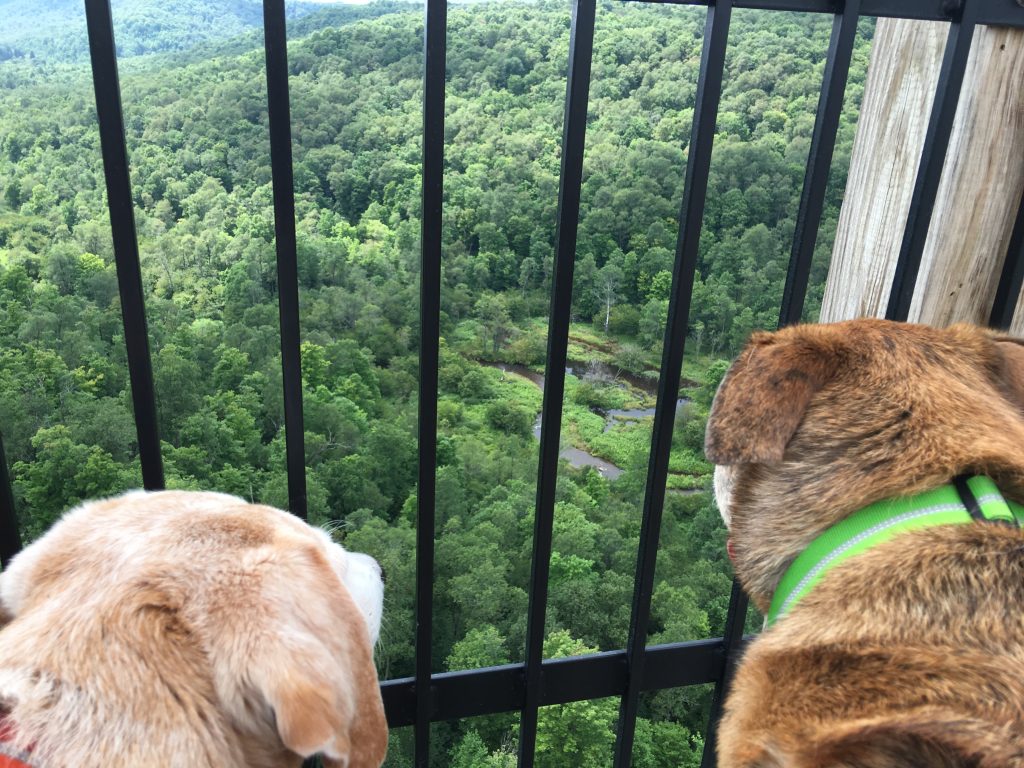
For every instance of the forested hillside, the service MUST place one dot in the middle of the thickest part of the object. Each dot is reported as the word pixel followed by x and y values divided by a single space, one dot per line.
pixel 197 135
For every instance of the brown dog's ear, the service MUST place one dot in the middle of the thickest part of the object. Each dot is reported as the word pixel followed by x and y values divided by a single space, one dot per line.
pixel 1010 370
pixel 314 667
pixel 762 399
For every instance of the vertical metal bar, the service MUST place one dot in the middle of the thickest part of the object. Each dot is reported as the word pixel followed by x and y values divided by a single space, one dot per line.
pixel 581 47
pixel 435 51
pixel 126 248
pixel 933 156
pixel 734 622
pixel 826 125
pixel 1005 304
pixel 279 116
pixel 691 216
pixel 10 539
pixel 819 160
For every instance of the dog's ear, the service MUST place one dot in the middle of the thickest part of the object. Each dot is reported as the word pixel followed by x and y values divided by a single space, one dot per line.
pixel 1009 372
pixel 762 399
pixel 314 666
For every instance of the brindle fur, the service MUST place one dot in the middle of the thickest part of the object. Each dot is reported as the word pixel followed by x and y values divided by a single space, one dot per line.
pixel 911 654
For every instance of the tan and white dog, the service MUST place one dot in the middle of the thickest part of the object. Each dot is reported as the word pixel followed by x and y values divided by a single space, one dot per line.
pixel 190 629
pixel 871 475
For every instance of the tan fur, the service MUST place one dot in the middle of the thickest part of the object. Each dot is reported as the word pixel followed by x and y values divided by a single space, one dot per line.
pixel 190 629
pixel 911 654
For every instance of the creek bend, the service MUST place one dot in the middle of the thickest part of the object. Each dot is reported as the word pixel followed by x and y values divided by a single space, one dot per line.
pixel 577 457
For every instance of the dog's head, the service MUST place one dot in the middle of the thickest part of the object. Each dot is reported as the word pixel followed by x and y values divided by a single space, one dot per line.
pixel 816 421
pixel 241 603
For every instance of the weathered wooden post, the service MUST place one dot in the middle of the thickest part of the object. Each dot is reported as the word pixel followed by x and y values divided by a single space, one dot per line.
pixel 980 188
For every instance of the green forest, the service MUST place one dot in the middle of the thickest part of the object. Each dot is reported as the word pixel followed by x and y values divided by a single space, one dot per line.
pixel 195 115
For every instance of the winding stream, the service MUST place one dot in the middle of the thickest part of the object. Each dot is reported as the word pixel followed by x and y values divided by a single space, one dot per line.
pixel 576 456
pixel 580 458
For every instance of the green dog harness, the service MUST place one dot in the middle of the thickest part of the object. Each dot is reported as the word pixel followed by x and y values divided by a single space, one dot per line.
pixel 962 501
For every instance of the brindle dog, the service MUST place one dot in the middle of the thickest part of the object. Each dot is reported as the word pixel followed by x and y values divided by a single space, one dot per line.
pixel 911 653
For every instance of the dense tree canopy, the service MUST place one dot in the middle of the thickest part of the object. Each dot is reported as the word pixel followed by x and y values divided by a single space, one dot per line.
pixel 197 136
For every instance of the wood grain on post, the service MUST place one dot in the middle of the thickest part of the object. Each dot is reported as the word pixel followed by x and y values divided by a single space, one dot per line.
pixel 978 195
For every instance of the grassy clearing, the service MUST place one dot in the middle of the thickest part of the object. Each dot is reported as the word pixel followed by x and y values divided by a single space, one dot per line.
pixel 515 389
pixel 624 444
pixel 687 482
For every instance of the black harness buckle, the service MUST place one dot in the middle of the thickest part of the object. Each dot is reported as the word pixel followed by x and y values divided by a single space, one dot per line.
pixel 970 501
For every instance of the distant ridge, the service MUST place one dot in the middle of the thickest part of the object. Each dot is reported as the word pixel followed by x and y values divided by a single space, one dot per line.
pixel 54 30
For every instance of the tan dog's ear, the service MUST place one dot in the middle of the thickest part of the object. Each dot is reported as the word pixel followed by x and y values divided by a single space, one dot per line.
pixel 762 399
pixel 1010 371
pixel 314 667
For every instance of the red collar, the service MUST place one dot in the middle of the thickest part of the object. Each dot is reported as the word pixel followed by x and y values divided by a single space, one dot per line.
pixel 9 756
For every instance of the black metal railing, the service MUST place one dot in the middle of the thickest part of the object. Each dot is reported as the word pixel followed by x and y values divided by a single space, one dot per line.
pixel 426 697
pixel 435 48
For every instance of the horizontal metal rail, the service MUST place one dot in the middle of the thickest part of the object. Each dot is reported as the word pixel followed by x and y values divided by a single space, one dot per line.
pixel 1003 13
pixel 502 689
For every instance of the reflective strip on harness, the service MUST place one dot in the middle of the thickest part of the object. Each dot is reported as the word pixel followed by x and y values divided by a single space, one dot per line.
pixel 882 521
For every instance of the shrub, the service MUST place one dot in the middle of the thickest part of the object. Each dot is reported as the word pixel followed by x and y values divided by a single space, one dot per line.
pixel 510 419
pixel 593 396
pixel 529 348
pixel 624 320
pixel 631 358
pixel 475 386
